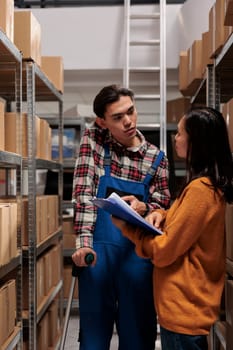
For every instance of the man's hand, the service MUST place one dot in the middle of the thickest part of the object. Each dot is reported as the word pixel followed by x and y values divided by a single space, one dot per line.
pixel 138 206
pixel 79 255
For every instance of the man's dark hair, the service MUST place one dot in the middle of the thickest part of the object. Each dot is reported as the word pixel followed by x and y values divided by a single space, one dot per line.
pixel 109 94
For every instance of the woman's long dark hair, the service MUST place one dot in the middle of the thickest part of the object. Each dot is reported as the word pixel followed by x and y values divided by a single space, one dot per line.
pixel 209 152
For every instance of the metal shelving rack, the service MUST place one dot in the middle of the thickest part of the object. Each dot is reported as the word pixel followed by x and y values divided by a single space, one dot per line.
pixel 11 91
pixel 79 123
pixel 36 88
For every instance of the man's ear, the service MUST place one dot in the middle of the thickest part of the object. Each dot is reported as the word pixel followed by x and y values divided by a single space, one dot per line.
pixel 100 122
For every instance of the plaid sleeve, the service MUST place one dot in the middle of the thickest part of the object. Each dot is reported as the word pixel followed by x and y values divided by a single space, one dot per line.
pixel 84 188
pixel 159 189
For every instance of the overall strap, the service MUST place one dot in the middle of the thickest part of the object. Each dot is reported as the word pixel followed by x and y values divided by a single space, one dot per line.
pixel 153 168
pixel 107 160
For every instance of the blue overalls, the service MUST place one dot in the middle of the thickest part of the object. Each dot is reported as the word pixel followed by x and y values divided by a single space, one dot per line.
pixel 119 287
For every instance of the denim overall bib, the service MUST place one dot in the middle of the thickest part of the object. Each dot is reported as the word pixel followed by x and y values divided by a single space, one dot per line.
pixel 119 287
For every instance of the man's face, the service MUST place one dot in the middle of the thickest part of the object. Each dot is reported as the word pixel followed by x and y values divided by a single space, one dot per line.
pixel 121 120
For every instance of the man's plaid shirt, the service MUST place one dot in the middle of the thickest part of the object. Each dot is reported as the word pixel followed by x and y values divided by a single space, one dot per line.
pixel 127 164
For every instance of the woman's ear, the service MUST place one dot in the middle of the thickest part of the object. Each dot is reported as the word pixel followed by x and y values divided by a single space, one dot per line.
pixel 100 122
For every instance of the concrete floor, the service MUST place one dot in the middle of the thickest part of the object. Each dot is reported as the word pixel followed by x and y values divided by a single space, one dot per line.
pixel 72 335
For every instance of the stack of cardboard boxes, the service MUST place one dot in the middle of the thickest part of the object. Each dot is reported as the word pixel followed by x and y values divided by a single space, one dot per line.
pixel 193 62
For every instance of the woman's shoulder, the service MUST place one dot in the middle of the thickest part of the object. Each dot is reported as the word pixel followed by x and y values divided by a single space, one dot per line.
pixel 201 181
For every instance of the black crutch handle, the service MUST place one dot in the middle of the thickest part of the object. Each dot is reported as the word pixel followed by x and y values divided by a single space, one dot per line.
pixel 88 260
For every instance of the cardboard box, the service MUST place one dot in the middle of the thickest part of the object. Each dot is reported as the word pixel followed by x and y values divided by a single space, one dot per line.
pixel 184 73
pixel 12 137
pixel 7 18
pixel 40 290
pixel 48 272
pixel 43 333
pixel 206 51
pixel 27 35
pixel 4 314
pixel 42 203
pixel 8 310
pixel 2 124
pixel 13 223
pixel 13 230
pixel 68 226
pixel 53 68
pixel 45 143
pixel 195 65
pixel 228 20
pixel 57 260
pixel 218 32
pixel 52 213
pixel 212 30
pixel 69 241
pixel 54 329
pixel 221 32
pixel 11 305
pixel 4 234
pixel 177 108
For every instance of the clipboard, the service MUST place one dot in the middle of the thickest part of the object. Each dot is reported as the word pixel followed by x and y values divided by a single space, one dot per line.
pixel 116 206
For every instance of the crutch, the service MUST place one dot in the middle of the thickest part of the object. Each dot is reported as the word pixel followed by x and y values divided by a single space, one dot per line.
pixel 75 271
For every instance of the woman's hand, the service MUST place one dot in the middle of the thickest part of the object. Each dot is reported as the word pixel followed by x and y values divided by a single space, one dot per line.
pixel 154 218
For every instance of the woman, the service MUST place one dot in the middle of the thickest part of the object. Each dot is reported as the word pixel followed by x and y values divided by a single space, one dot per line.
pixel 189 257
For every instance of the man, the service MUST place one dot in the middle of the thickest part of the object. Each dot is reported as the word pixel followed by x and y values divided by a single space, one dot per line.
pixel 117 289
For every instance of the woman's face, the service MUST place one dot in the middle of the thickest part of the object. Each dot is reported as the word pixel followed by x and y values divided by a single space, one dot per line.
pixel 181 139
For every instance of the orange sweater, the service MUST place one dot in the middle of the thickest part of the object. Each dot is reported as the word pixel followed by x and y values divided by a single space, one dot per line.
pixel 189 260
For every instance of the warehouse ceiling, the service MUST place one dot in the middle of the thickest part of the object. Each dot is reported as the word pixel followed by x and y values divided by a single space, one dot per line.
pixel 67 3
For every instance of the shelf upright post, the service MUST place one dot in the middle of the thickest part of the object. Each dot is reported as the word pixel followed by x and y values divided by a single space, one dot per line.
pixel 212 88
pixel 19 186
pixel 32 295
pixel 60 195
